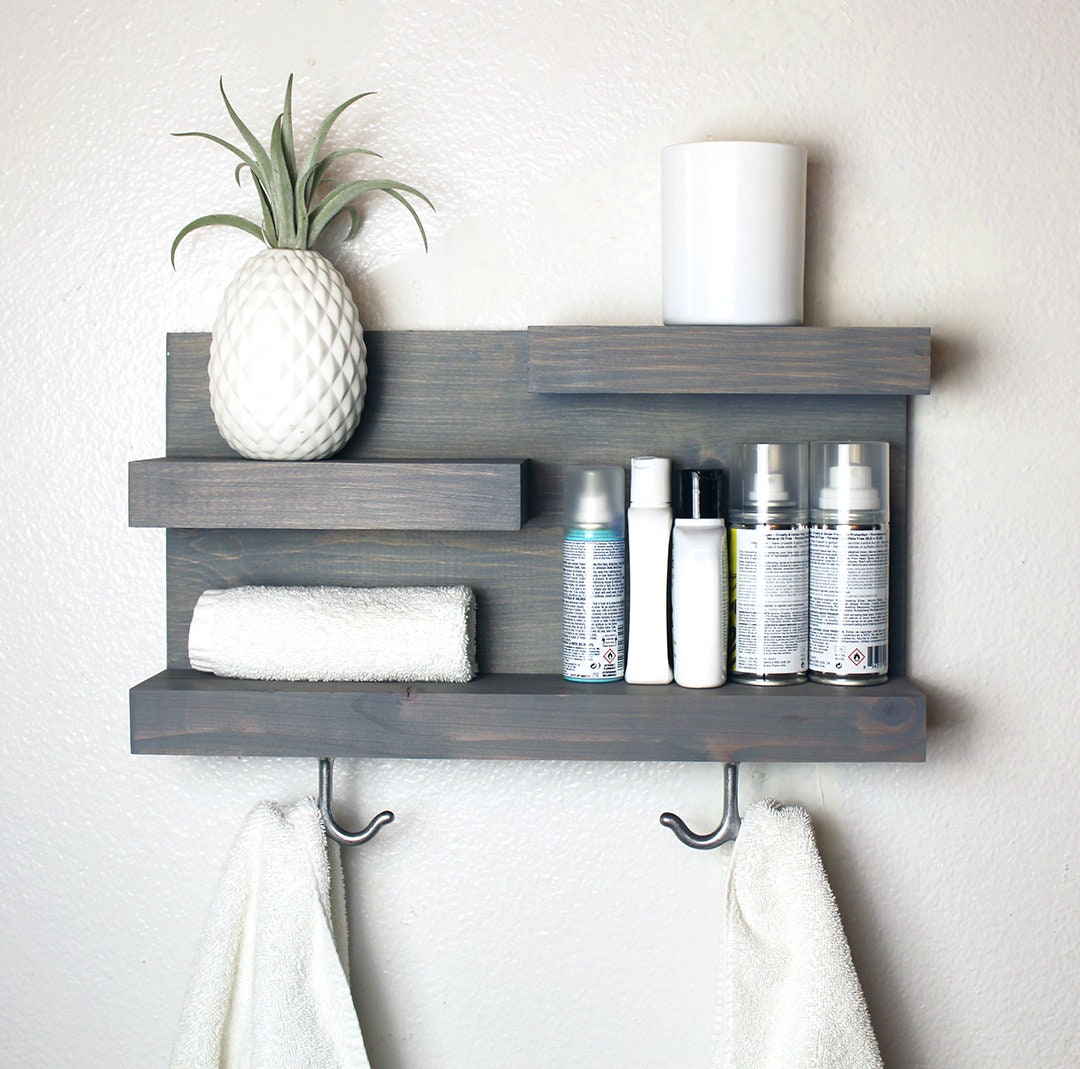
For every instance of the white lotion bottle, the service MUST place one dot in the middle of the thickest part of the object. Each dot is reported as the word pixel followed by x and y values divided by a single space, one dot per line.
pixel 648 530
pixel 699 580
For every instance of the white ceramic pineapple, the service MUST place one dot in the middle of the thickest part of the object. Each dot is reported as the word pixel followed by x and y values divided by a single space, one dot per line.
pixel 287 358
pixel 287 368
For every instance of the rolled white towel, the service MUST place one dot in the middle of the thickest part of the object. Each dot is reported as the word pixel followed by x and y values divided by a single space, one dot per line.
pixel 406 634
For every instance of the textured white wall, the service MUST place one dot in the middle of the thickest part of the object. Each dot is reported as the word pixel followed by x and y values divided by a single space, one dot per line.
pixel 534 915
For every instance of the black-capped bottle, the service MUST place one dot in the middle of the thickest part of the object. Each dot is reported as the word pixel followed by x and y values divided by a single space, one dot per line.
pixel 699 579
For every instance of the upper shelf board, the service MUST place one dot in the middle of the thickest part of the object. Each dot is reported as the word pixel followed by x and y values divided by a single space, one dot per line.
pixel 729 360
pixel 418 495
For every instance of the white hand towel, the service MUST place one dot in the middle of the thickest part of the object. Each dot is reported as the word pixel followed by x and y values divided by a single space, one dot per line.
pixel 408 634
pixel 270 988
pixel 794 999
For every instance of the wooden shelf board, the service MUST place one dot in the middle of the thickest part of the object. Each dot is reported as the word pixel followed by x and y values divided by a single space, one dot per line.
pixel 419 495
pixel 527 717
pixel 729 360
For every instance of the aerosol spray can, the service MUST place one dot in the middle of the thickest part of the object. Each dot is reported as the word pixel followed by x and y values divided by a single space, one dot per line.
pixel 768 559
pixel 594 574
pixel 849 562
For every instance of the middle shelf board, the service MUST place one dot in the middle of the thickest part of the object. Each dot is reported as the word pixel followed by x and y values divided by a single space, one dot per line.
pixel 416 495
pixel 527 717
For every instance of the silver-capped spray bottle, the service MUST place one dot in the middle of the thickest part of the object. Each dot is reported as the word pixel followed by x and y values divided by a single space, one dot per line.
pixel 594 574
pixel 768 559
pixel 849 562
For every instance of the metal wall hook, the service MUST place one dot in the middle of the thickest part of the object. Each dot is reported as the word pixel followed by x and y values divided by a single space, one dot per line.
pixel 729 826
pixel 333 828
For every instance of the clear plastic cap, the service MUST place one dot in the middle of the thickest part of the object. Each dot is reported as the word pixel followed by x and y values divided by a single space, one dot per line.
pixel 768 482
pixel 849 481
pixel 650 481
pixel 595 497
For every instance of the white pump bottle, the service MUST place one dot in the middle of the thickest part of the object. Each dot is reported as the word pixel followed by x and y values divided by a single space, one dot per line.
pixel 648 523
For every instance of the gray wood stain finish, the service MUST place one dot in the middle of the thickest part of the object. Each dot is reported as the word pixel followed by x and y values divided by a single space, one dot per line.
pixel 526 717
pixel 688 359
pixel 447 395
pixel 426 495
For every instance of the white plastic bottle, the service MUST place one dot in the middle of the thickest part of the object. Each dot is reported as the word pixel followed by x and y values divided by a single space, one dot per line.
pixel 648 530
pixel 849 563
pixel 699 580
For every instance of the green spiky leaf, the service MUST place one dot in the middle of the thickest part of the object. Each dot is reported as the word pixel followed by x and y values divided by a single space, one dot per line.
pixel 411 210
pixel 247 160
pixel 214 220
pixel 258 152
pixel 324 129
pixel 281 191
pixel 287 131
pixel 294 210
pixel 338 199
pixel 314 176
pixel 354 221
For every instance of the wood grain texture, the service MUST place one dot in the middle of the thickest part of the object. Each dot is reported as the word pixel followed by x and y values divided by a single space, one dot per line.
pixel 516 577
pixel 450 394
pixel 427 495
pixel 732 360
pixel 446 395
pixel 527 717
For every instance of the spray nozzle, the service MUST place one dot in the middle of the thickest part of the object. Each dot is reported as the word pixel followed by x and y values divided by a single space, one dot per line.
pixel 851 484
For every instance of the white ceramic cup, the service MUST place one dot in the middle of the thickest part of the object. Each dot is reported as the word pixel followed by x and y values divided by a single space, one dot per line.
pixel 734 232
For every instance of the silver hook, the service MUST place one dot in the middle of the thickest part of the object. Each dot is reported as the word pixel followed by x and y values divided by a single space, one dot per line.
pixel 729 826
pixel 333 828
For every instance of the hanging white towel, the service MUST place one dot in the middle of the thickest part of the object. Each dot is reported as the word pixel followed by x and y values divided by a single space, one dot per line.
pixel 270 988
pixel 794 1000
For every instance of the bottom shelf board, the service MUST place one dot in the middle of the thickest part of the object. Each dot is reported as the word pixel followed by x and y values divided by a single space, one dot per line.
pixel 527 717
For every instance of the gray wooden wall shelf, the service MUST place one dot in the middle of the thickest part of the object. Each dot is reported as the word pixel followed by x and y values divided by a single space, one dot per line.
pixel 374 516
pixel 688 359
pixel 526 717
pixel 418 495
